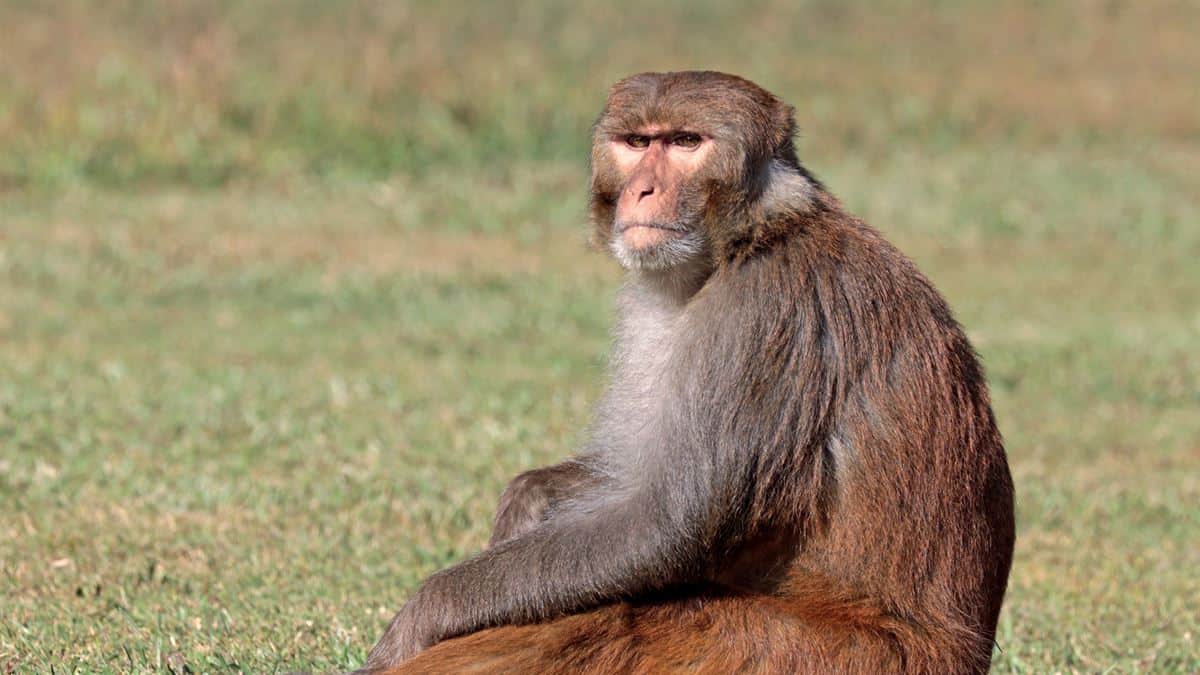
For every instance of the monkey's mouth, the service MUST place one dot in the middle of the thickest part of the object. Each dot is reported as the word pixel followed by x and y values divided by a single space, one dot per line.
pixel 645 235
pixel 670 227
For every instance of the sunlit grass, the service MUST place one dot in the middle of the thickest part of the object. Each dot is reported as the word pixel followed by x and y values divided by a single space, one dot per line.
pixel 252 389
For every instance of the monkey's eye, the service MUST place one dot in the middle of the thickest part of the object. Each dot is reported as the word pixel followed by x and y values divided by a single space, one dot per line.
pixel 636 141
pixel 686 140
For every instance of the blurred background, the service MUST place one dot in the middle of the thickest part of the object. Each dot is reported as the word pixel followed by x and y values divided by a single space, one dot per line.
pixel 288 290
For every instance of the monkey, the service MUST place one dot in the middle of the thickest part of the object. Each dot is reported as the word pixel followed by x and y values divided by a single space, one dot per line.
pixel 795 466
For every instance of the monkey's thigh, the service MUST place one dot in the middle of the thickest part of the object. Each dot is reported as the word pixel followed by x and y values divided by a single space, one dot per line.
pixel 701 635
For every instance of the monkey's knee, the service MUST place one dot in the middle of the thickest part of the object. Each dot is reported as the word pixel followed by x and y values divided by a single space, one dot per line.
pixel 522 507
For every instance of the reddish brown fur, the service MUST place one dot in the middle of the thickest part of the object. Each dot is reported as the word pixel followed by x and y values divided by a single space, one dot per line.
pixel 874 531
pixel 804 630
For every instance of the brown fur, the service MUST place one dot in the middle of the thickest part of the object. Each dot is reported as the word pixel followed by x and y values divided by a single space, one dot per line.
pixel 795 469
pixel 809 630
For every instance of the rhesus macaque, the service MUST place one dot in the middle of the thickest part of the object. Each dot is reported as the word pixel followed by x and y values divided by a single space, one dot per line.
pixel 795 467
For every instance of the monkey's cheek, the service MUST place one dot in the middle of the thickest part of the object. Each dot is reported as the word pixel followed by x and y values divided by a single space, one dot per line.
pixel 639 238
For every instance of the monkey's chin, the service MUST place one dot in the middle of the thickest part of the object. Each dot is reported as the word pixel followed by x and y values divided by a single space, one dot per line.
pixel 655 248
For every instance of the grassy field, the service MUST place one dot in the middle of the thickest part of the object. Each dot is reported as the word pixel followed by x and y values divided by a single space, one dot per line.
pixel 289 290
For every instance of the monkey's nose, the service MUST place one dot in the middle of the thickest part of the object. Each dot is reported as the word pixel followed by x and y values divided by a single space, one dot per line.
pixel 645 192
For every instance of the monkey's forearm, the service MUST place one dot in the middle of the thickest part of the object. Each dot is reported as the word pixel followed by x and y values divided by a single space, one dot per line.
pixel 569 563
pixel 574 561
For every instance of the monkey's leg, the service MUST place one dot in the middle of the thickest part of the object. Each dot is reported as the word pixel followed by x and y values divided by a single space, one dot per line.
pixel 707 636
pixel 530 496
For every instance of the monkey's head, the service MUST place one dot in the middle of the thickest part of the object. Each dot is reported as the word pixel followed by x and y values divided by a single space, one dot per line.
pixel 681 163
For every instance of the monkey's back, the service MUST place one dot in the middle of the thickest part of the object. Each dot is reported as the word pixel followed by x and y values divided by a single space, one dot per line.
pixel 919 520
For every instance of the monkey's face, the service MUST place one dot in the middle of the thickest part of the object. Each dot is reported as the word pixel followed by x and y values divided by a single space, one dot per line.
pixel 677 160
pixel 656 218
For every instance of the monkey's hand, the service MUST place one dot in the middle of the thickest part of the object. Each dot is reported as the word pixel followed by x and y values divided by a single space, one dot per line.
pixel 528 498
pixel 414 629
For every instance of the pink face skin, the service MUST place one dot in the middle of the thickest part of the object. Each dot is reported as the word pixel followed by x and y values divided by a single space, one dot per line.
pixel 657 161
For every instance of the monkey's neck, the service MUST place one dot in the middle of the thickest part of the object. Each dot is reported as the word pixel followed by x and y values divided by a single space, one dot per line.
pixel 679 283
pixel 789 197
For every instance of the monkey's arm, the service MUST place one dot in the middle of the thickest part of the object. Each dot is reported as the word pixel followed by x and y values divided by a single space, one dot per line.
pixel 529 497
pixel 733 435
pixel 597 551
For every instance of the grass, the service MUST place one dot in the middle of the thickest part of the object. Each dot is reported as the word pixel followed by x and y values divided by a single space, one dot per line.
pixel 288 291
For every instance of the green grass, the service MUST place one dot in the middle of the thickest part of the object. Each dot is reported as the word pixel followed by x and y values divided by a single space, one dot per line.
pixel 287 292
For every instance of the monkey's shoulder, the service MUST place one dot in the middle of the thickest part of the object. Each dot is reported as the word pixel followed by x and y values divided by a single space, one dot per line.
pixel 834 283
pixel 831 250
